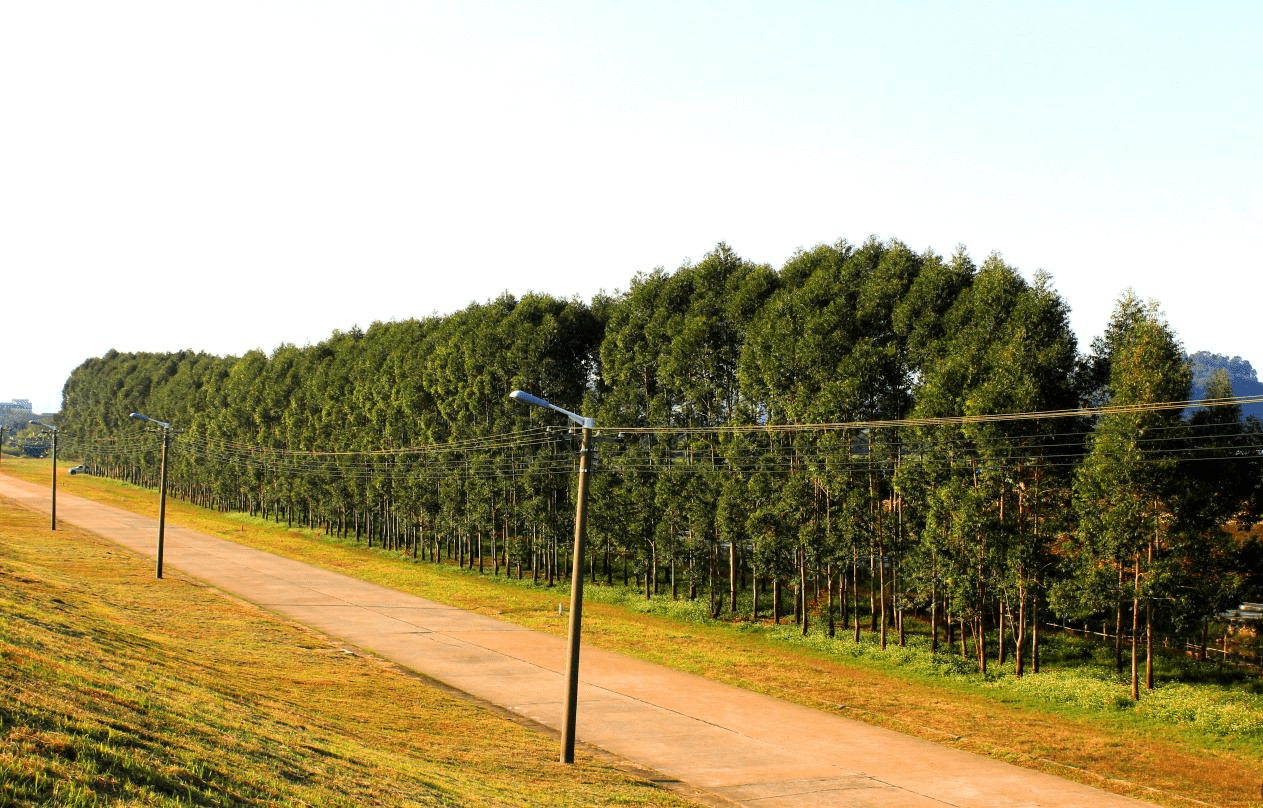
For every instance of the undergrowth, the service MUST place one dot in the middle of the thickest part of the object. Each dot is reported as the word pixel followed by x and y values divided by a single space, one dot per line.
pixel 1223 710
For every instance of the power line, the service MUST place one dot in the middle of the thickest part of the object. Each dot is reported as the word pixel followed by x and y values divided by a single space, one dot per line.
pixel 539 451
pixel 956 420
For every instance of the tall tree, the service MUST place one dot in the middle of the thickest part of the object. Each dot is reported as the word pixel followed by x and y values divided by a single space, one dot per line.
pixel 1126 485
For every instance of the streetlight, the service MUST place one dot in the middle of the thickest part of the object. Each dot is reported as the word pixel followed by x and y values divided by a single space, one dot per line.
pixel 162 484
pixel 576 575
pixel 53 430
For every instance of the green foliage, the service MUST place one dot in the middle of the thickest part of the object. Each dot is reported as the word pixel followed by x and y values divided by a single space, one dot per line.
pixel 1079 680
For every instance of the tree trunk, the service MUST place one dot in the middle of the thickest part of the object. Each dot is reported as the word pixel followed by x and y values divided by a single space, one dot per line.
pixel 776 600
pixel 964 640
pixel 829 585
pixel 1035 632
pixel 1135 630
pixel 1148 645
pixel 855 590
pixel 653 568
pixel 1000 651
pixel 1019 627
pixel 1118 625
pixel 881 575
pixel 894 586
pixel 980 638
pixel 716 600
pixel 549 563
pixel 933 614
pixel 802 587
pixel 872 588
pixel 1149 616
pixel 843 597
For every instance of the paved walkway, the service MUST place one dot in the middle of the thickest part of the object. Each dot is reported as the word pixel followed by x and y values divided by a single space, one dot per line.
pixel 740 746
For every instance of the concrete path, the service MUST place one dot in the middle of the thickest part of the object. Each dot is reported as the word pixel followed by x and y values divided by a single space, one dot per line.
pixel 739 746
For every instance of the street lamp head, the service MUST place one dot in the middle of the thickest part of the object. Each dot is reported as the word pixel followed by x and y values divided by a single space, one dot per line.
pixel 162 424
pixel 527 398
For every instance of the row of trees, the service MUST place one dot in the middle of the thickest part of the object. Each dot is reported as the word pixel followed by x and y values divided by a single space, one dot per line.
pixel 818 441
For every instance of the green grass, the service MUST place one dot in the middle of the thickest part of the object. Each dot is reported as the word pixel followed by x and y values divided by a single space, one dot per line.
pixel 1182 745
pixel 1223 707
pixel 116 689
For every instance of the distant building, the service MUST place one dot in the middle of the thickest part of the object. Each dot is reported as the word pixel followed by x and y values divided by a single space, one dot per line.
pixel 16 404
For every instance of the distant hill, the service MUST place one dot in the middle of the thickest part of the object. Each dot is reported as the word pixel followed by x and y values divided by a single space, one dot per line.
pixel 1245 381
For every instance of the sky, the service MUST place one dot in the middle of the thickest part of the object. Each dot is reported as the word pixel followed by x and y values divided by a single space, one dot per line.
pixel 228 176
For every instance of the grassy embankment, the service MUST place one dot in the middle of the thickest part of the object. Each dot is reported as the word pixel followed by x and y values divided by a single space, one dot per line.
pixel 117 689
pixel 1182 745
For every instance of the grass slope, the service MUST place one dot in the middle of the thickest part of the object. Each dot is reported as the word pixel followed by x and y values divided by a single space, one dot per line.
pixel 1062 721
pixel 117 689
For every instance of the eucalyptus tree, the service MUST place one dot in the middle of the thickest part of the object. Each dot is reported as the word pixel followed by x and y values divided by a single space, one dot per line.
pixel 807 322
pixel 96 400
pixel 922 320
pixel 771 535
pixel 334 426
pixel 776 371
pixel 1006 347
pixel 825 349
pixel 137 377
pixel 281 412
pixel 669 359
pixel 1030 367
pixel 1197 573
pixel 473 359
pixel 411 420
pixel 239 423
pixel 187 399
pixel 731 515
pixel 549 347
pixel 380 410
pixel 1126 486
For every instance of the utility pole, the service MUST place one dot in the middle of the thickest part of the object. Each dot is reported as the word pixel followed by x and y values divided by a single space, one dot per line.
pixel 53 430
pixel 576 573
pixel 162 480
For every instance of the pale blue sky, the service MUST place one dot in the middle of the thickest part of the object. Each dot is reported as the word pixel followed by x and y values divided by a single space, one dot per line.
pixel 231 175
